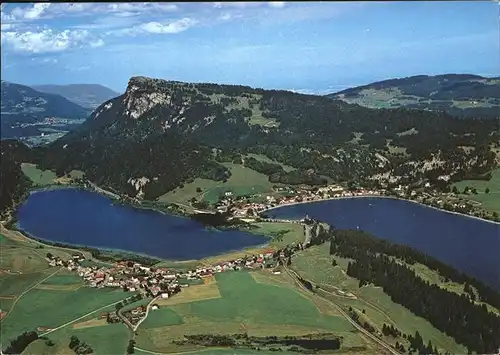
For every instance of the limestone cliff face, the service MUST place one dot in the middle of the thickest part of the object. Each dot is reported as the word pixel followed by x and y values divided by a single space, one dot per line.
pixel 156 106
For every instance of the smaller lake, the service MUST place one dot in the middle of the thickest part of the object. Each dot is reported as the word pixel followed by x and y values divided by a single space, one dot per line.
pixel 80 217
pixel 470 245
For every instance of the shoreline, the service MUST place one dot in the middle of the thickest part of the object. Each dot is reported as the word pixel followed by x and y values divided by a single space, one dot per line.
pixel 126 254
pixel 381 196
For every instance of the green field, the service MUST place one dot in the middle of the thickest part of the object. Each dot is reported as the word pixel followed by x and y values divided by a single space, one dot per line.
pixel 55 301
pixel 489 201
pixel 39 177
pixel 52 308
pixel 14 285
pixel 104 339
pixel 242 181
pixel 162 317
pixel 266 159
pixel 244 305
pixel 315 264
pixel 47 177
pixel 282 233
pixel 69 279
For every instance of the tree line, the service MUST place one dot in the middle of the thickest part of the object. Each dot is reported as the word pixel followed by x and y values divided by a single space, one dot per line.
pixel 458 316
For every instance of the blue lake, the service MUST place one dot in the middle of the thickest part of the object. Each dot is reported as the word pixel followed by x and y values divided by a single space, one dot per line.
pixel 80 217
pixel 470 245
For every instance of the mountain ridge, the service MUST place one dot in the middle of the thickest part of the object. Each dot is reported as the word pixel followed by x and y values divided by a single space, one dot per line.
pixel 167 133
pixel 85 95
pixel 464 95
pixel 16 96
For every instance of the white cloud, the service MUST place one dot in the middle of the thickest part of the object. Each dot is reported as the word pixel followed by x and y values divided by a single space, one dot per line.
pixel 48 41
pixel 169 28
pixel 97 43
pixel 225 17
pixel 32 13
pixel 7 26
pixel 276 4
pixel 240 5
pixel 49 61
pixel 47 10
pixel 144 6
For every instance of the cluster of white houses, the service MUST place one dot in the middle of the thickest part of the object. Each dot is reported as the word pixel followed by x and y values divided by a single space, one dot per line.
pixel 152 281
pixel 241 210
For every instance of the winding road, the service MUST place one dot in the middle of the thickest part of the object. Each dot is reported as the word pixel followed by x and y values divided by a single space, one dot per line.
pixel 148 307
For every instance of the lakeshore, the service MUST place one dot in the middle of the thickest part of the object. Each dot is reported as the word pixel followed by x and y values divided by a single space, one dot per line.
pixel 380 196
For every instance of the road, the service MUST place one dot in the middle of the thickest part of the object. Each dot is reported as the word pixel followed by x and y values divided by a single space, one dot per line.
pixel 307 234
pixel 380 342
pixel 146 315
pixel 27 290
pixel 101 190
pixel 77 319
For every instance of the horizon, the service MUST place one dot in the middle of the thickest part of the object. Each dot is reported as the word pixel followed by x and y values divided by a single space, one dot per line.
pixel 305 91
pixel 313 48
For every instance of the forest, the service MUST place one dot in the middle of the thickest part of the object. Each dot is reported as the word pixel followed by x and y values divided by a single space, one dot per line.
pixel 456 315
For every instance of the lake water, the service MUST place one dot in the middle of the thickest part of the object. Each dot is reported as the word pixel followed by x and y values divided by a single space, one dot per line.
pixel 80 217
pixel 470 245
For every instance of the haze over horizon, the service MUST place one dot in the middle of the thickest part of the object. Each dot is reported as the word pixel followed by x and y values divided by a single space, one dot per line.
pixel 310 47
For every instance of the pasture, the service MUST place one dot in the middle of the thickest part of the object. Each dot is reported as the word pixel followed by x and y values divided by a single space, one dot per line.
pixel 38 176
pixel 48 177
pixel 103 338
pixel 242 181
pixel 205 291
pixel 315 264
pixel 489 201
pixel 244 304
pixel 266 159
pixel 282 234
pixel 52 308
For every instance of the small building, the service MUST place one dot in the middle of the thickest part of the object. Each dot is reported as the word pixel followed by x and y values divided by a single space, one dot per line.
pixel 154 307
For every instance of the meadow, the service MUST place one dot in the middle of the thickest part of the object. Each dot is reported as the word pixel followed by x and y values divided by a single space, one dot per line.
pixel 237 303
pixel 315 264
pixel 103 338
pixel 47 177
pixel 489 201
pixel 282 233
pixel 243 181
pixel 53 308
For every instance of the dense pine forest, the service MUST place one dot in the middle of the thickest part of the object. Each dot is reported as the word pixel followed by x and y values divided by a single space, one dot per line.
pixel 458 316
pixel 14 184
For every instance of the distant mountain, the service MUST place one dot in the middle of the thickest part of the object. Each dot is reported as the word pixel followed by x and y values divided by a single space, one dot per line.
pixel 162 134
pixel 23 100
pixel 22 107
pixel 463 95
pixel 85 95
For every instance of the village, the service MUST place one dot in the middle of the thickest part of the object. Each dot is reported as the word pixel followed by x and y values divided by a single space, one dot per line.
pixel 239 207
pixel 156 283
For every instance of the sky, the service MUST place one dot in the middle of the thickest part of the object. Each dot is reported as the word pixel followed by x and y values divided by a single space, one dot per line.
pixel 314 47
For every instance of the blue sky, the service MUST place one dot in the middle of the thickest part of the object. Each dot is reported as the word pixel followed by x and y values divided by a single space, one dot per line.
pixel 312 47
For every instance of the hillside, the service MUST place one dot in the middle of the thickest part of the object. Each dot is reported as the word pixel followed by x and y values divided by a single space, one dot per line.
pixel 161 134
pixel 458 94
pixel 22 100
pixel 85 95
pixel 24 109
pixel 14 184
